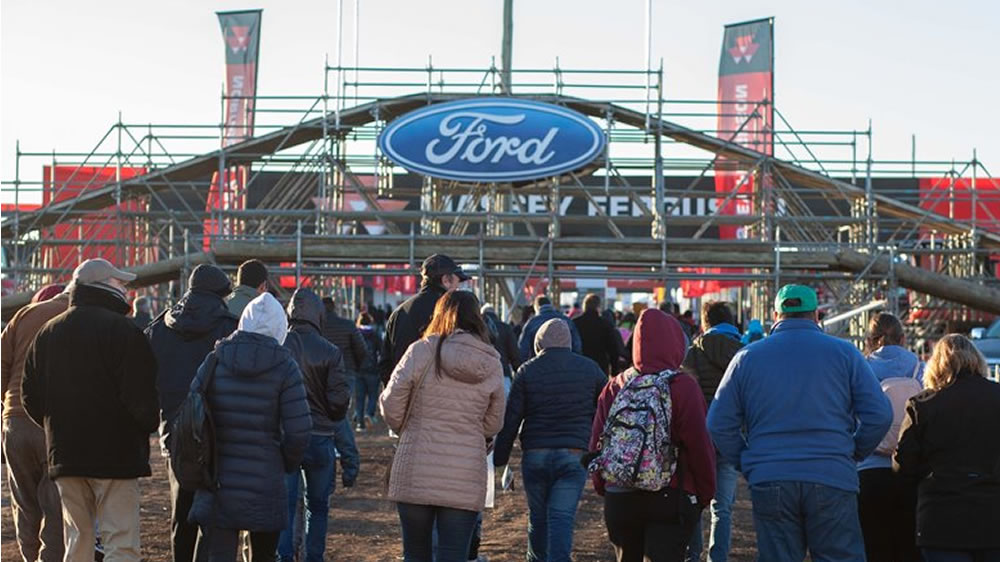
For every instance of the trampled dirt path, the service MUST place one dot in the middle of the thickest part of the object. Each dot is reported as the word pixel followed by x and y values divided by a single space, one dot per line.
pixel 364 526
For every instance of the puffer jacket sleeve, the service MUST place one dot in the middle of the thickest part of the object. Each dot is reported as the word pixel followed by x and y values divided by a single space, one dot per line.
pixel 338 392
pixel 396 397
pixel 493 419
pixel 512 420
pixel 293 411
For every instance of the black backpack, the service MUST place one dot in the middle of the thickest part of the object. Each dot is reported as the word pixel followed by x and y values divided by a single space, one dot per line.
pixel 193 451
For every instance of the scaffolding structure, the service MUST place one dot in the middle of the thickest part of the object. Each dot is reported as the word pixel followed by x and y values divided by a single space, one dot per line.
pixel 816 215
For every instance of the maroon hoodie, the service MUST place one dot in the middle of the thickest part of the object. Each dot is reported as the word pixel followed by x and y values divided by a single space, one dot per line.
pixel 659 344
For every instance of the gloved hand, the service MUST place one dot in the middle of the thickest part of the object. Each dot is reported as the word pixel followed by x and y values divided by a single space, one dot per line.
pixel 348 483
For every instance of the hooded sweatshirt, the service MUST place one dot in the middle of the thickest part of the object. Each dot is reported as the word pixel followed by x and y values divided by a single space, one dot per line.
pixel 263 315
pixel 659 345
pixel 807 403
pixel 887 362
pixel 182 336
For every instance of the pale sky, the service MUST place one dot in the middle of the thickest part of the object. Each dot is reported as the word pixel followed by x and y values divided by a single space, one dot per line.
pixel 920 67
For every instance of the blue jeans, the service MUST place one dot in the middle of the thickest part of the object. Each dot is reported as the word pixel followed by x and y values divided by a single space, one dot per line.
pixel 791 517
pixel 320 469
pixel 726 479
pixel 366 387
pixel 936 555
pixel 553 482
pixel 454 532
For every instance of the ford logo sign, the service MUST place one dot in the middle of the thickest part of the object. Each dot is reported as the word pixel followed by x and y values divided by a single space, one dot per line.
pixel 492 140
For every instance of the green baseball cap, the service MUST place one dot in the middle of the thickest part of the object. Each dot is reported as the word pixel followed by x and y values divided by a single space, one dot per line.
pixel 795 298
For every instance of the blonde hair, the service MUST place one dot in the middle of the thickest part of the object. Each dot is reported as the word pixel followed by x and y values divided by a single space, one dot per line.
pixel 953 355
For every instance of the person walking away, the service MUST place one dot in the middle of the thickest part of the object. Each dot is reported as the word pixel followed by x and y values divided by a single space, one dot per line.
pixel 180 339
pixel 342 333
pixel 251 281
pixel 795 412
pixel 555 396
pixel 544 311
pixel 407 323
pixel 505 344
pixel 262 427
pixel 90 382
pixel 599 340
pixel 650 514
pixel 367 390
pixel 328 395
pixel 448 389
pixel 142 312
pixel 38 525
pixel 887 503
pixel 707 359
pixel 755 331
pixel 950 444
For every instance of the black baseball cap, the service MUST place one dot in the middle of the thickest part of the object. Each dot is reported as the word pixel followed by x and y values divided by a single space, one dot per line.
pixel 439 265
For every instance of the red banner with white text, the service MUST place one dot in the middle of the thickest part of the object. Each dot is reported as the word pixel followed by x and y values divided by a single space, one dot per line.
pixel 241 33
pixel 745 111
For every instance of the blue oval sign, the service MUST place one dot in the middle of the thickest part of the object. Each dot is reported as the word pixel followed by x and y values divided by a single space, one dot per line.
pixel 492 140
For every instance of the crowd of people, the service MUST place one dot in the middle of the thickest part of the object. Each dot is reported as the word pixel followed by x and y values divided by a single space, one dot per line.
pixel 848 455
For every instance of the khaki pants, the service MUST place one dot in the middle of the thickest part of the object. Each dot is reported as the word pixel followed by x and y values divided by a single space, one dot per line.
pixel 34 498
pixel 113 504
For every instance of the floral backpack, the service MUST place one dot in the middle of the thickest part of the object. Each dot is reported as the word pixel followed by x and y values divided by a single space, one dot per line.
pixel 634 450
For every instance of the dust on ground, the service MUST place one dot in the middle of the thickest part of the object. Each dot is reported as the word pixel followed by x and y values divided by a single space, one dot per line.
pixel 364 526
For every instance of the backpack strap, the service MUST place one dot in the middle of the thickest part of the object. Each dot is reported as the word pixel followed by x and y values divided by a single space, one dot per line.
pixel 916 370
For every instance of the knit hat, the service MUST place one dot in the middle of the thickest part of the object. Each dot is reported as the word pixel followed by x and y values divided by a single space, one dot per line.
pixel 553 333
pixel 265 316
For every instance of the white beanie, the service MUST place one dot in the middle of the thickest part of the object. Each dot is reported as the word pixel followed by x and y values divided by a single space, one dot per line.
pixel 265 316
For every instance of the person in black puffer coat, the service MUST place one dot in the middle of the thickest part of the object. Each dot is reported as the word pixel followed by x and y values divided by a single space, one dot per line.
pixel 342 333
pixel 262 426
pixel 555 395
pixel 598 338
pixel 181 337
pixel 368 384
pixel 328 394
pixel 505 342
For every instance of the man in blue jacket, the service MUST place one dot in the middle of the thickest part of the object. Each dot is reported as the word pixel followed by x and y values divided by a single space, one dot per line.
pixel 795 412
pixel 544 311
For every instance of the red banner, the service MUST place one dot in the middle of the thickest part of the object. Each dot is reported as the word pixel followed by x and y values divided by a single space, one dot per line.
pixel 241 32
pixel 745 117
pixel 953 197
pixel 99 234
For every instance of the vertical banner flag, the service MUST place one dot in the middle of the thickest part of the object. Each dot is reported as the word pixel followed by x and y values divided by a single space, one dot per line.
pixel 745 117
pixel 241 33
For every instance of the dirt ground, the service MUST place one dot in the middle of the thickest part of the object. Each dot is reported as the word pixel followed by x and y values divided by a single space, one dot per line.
pixel 364 526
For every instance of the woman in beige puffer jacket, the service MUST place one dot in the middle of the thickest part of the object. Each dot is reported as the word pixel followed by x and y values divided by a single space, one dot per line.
pixel 439 470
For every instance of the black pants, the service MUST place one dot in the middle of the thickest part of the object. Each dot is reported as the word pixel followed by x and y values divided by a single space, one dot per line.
pixel 183 535
pixel 887 509
pixel 650 526
pixel 221 545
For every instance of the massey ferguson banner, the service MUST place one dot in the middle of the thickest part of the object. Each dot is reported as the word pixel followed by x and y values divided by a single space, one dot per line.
pixel 745 117
pixel 241 33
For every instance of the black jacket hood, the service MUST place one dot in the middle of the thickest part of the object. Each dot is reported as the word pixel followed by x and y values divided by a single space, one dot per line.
pixel 207 278
pixel 197 314
pixel 306 306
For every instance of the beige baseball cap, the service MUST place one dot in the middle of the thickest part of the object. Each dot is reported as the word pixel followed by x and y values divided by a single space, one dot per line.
pixel 99 270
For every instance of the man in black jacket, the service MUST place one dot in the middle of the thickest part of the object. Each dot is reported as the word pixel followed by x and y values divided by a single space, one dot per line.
pixel 90 382
pixel 328 394
pixel 599 340
pixel 503 339
pixel 181 338
pixel 406 324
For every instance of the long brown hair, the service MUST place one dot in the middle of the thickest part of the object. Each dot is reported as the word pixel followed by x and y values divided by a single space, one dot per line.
pixel 884 329
pixel 953 354
pixel 456 310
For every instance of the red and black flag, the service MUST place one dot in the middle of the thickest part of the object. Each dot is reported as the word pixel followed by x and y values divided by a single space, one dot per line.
pixel 241 34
